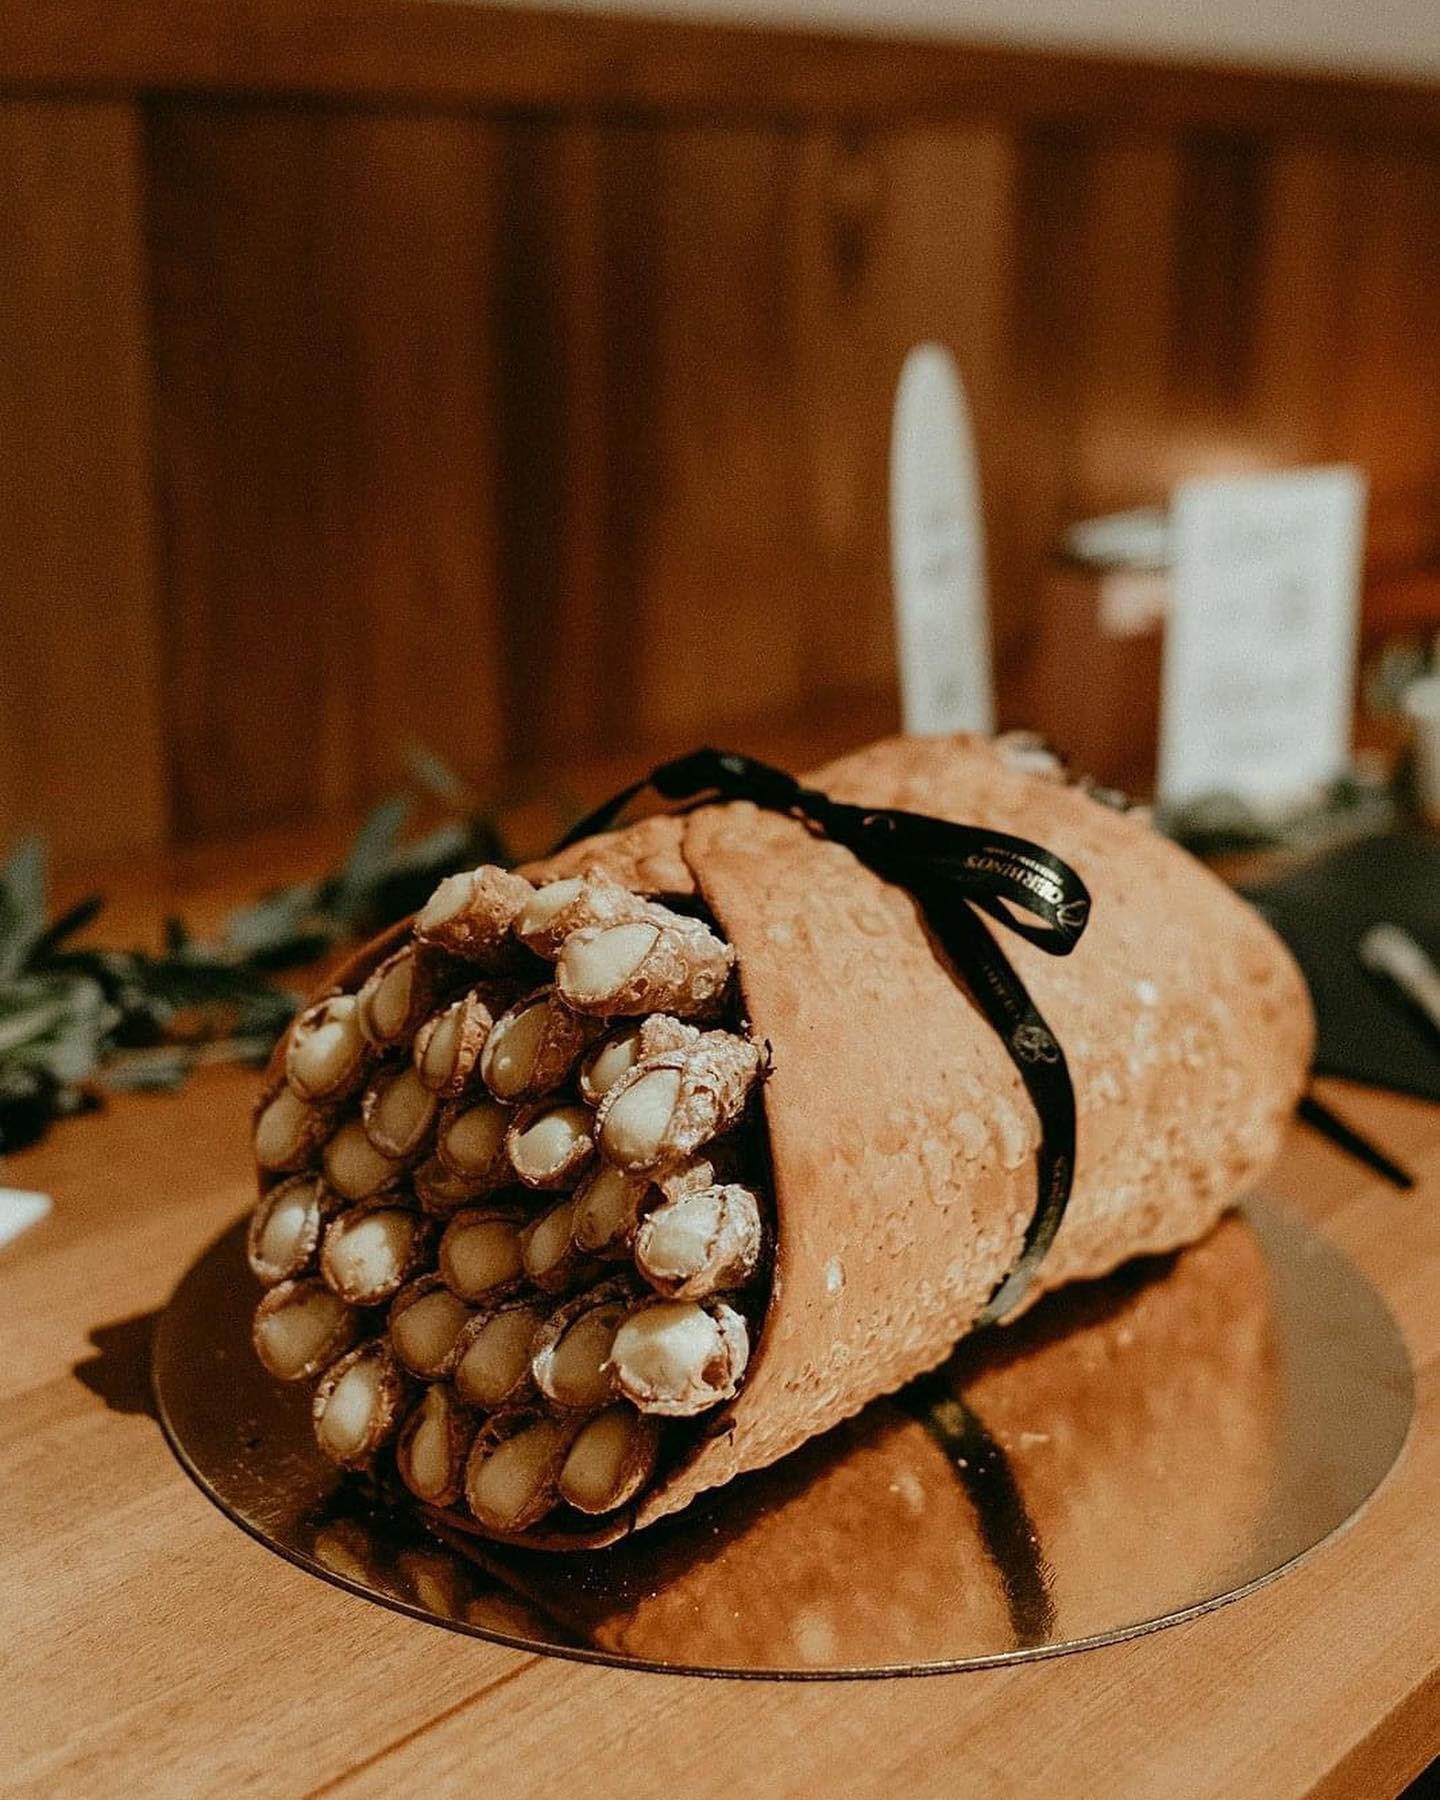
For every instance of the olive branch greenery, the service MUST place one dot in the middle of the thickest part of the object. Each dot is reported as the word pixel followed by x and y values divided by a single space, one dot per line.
pixel 78 1021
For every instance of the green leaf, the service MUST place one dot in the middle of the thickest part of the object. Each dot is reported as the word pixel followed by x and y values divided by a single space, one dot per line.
pixel 22 905
pixel 158 1071
pixel 26 1022
pixel 76 1020
pixel 437 849
pixel 74 918
pixel 370 856
pixel 275 920
pixel 434 776
pixel 55 1023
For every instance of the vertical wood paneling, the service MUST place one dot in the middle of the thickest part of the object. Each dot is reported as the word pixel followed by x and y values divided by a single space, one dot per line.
pixel 257 427
pixel 1387 376
pixel 534 398
pixel 726 600
pixel 1045 389
pixel 413 258
pixel 80 736
pixel 326 342
pixel 625 344
pixel 576 491
pixel 1126 292
pixel 1347 361
pixel 545 436
pixel 845 363
pixel 1215 279
pixel 555 473
pixel 1299 294
pixel 796 269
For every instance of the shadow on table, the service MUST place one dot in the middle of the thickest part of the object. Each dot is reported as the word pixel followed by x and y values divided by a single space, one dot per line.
pixel 119 1371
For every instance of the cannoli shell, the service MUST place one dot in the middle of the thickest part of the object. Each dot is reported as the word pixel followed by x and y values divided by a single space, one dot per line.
pixel 902 1141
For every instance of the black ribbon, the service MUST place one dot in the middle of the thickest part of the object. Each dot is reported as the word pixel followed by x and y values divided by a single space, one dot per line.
pixel 955 873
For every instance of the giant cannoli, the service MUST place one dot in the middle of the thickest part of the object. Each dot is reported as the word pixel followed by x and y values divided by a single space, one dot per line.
pixel 784 1124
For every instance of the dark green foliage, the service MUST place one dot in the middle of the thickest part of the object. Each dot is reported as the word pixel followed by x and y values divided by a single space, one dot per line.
pixel 75 1022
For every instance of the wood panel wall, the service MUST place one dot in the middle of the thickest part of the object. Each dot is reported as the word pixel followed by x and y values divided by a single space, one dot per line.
pixel 521 385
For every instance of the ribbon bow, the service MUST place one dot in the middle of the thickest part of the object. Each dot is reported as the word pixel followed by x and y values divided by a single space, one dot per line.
pixel 955 873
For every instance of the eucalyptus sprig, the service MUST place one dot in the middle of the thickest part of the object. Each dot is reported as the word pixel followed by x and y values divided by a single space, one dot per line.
pixel 77 1021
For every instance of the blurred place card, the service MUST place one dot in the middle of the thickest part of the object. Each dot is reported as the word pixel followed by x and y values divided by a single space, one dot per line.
pixel 1260 645
pixel 19 1210
pixel 937 552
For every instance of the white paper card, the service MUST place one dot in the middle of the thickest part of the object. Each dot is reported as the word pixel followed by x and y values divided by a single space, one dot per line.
pixel 19 1210
pixel 1259 662
pixel 937 552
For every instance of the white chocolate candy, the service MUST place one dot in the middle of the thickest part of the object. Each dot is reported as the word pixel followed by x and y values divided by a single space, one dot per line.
pixel 448 1045
pixel 358 1403
pixel 471 1140
pixel 288 1133
pixel 368 1254
pixel 435 1054
pixel 578 1375
pixel 470 914
pixel 299 1327
pixel 512 1484
pixel 611 1460
pixel 494 1365
pixel 612 1059
pixel 597 963
pixel 700 1242
pixel 555 911
pixel 533 1047
pixel 448 901
pixel 663 963
pixel 571 1353
pixel 326 1056
pixel 675 1102
pixel 388 999
pixel 286 1225
pixel 480 1254
pixel 549 1145
pixel 511 1050
pixel 677 1358
pixel 547 1246
pixel 425 1325
pixel 545 905
pixel 398 1111
pixel 607 1208
pixel 345 1422
pixel 285 1229
pixel 354 1167
pixel 634 1129
pixel 428 1469
pixel 433 1446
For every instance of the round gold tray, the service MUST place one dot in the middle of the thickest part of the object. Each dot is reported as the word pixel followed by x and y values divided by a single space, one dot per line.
pixel 1131 1453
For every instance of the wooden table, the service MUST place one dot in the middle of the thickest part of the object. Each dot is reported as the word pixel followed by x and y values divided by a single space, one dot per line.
pixel 150 1647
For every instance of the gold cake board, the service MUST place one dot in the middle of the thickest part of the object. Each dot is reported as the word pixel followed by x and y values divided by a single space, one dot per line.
pixel 1130 1454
